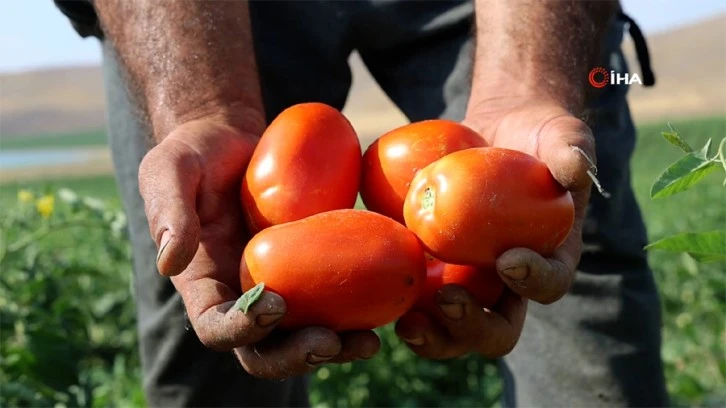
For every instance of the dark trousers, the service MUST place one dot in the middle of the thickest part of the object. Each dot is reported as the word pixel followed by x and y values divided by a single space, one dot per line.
pixel 599 345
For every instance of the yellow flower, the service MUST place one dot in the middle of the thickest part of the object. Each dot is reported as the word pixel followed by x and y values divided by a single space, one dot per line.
pixel 45 205
pixel 25 196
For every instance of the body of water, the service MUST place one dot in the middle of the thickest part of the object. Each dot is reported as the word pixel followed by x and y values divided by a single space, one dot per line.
pixel 21 159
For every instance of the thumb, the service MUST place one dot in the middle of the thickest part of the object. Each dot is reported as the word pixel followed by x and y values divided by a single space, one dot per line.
pixel 568 148
pixel 169 177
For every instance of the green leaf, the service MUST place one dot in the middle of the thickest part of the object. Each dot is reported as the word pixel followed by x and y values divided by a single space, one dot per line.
pixel 706 258
pixel 249 298
pixel 682 175
pixel 709 246
pixel 722 155
pixel 675 139
pixel 703 153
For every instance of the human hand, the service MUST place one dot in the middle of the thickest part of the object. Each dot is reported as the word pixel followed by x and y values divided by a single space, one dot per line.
pixel 462 325
pixel 190 184
pixel 545 130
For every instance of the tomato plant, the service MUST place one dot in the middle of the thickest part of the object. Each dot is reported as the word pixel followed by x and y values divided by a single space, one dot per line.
pixel 342 269
pixel 391 162
pixel 706 246
pixel 308 161
pixel 68 323
pixel 470 206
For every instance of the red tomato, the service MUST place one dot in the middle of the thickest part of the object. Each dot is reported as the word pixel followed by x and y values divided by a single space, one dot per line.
pixel 308 161
pixel 483 283
pixel 342 269
pixel 390 163
pixel 470 206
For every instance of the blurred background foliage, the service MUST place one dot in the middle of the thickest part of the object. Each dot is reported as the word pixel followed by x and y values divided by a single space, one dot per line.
pixel 67 324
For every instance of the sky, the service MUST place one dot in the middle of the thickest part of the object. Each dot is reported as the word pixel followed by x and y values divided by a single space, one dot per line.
pixel 34 34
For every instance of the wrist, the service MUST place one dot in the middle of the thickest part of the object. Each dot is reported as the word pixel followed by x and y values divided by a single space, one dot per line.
pixel 245 119
pixel 500 115
pixel 504 91
pixel 487 106
pixel 538 50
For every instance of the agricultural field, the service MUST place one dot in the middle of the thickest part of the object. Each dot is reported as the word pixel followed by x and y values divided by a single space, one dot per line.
pixel 67 316
pixel 50 141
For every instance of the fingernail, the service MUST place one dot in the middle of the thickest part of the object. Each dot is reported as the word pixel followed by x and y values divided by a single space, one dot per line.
pixel 416 341
pixel 516 273
pixel 165 239
pixel 367 352
pixel 454 311
pixel 265 320
pixel 314 359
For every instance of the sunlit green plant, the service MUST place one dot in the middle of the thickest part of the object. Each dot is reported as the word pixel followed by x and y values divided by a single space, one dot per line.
pixel 66 314
pixel 694 166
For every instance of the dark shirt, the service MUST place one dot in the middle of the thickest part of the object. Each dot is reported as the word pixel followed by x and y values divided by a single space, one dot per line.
pixel 82 16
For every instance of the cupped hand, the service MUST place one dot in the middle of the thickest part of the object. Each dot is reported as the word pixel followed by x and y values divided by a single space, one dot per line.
pixel 565 144
pixel 190 185
pixel 463 326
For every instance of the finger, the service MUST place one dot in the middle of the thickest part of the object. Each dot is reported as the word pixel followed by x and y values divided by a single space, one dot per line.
pixel 492 333
pixel 290 354
pixel 567 146
pixel 169 176
pixel 513 308
pixel 427 338
pixel 544 280
pixel 221 326
pixel 506 322
pixel 358 345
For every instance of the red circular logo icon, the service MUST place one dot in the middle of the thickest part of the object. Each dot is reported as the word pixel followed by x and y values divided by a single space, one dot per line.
pixel 599 71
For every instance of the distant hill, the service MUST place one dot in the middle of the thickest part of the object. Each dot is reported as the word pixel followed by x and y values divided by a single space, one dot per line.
pixel 690 68
pixel 689 62
pixel 59 100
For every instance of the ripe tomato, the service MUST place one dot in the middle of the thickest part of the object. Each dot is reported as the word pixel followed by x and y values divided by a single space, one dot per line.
pixel 308 161
pixel 470 206
pixel 342 269
pixel 483 283
pixel 390 163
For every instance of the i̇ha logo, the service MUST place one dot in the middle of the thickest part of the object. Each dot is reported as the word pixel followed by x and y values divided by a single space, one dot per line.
pixel 599 77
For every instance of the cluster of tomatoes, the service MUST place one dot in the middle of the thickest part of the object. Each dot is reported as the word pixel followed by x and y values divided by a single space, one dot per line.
pixel 441 208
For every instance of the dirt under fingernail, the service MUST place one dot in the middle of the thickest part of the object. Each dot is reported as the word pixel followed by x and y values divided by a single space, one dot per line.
pixel 266 320
pixel 454 311
pixel 163 243
pixel 314 359
pixel 416 341
pixel 516 273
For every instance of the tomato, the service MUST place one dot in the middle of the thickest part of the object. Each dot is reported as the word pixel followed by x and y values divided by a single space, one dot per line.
pixel 342 269
pixel 390 163
pixel 308 161
pixel 470 206
pixel 483 283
